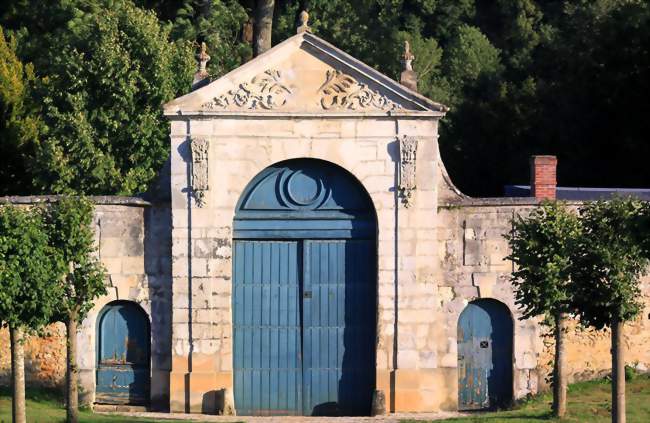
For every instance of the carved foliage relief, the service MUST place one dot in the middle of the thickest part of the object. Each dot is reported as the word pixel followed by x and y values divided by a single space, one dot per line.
pixel 341 91
pixel 408 154
pixel 265 91
pixel 199 147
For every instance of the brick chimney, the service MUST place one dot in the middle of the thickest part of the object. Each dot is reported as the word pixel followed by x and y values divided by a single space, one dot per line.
pixel 543 181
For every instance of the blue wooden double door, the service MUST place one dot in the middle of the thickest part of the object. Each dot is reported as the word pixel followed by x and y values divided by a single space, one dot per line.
pixel 123 355
pixel 304 320
pixel 485 347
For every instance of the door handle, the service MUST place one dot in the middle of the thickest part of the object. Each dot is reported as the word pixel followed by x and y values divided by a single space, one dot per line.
pixel 306 294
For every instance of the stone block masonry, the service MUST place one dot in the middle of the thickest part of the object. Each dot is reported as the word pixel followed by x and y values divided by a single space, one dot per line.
pixel 134 244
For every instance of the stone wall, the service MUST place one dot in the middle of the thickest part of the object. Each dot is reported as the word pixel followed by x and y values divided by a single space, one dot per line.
pixel 134 244
pixel 44 358
pixel 471 251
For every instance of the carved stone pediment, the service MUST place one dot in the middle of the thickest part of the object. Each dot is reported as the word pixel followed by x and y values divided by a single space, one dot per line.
pixel 304 74
pixel 265 91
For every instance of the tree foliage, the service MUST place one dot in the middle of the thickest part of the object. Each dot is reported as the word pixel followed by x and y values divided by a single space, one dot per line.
pixel 610 261
pixel 71 233
pixel 218 23
pixel 522 76
pixel 28 267
pixel 20 125
pixel 543 250
pixel 106 68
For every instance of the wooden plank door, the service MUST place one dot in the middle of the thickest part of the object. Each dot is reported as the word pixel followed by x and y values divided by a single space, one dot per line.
pixel 339 320
pixel 266 328
pixel 123 355
pixel 484 356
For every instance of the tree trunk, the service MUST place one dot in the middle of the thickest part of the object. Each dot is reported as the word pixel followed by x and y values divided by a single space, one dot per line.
pixel 559 367
pixel 72 401
pixel 263 26
pixel 618 373
pixel 17 375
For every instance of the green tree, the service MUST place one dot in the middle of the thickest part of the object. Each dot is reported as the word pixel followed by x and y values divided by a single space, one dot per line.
pixel 106 132
pixel 107 66
pixel 20 126
pixel 28 296
pixel 544 246
pixel 71 234
pixel 610 261
pixel 218 23
pixel 469 57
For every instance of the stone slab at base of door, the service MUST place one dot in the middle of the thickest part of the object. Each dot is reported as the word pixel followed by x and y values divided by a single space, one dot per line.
pixel 103 408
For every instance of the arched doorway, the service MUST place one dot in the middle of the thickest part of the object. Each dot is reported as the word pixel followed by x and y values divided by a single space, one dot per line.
pixel 123 354
pixel 485 337
pixel 304 292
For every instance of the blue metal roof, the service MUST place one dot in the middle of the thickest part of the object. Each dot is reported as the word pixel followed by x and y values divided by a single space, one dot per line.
pixel 582 193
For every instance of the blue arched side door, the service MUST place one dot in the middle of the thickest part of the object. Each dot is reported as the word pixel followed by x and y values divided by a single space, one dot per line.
pixel 485 334
pixel 123 340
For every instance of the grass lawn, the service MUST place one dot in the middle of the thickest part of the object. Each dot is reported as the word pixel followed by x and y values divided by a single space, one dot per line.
pixel 45 406
pixel 589 402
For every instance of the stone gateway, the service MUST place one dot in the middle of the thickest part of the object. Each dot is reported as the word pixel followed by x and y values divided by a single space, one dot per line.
pixel 311 256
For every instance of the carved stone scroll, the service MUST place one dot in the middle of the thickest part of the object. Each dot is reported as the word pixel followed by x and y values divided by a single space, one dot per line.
pixel 407 158
pixel 342 91
pixel 265 91
pixel 199 147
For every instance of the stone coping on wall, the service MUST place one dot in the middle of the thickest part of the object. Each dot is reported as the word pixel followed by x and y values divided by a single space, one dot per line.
pixel 108 200
pixel 497 202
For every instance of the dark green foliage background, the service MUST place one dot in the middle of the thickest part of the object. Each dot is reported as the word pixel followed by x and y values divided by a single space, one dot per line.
pixel 522 77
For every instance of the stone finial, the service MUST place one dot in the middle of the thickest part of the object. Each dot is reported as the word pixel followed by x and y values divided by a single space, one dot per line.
pixel 408 78
pixel 201 75
pixel 407 57
pixel 204 58
pixel 304 19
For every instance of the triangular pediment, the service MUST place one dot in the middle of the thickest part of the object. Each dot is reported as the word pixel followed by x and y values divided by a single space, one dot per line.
pixel 304 74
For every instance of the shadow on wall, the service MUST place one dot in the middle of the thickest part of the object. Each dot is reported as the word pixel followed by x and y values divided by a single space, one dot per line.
pixel 209 402
pixel 157 259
